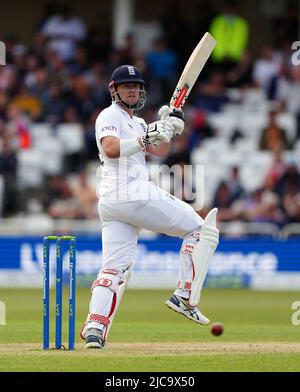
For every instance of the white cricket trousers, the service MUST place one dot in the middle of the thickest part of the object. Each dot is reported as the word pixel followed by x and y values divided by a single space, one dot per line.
pixel 122 221
pixel 121 224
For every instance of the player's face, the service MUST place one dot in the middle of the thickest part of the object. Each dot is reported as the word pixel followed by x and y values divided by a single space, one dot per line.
pixel 129 92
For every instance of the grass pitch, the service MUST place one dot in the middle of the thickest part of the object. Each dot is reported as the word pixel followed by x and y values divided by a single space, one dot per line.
pixel 147 336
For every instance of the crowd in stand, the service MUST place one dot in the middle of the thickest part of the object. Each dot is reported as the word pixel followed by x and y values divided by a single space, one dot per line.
pixel 62 77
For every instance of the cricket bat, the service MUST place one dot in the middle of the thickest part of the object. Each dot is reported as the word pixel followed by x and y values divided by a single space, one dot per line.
pixel 192 70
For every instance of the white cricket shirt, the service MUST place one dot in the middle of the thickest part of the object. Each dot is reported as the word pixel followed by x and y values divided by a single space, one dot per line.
pixel 118 173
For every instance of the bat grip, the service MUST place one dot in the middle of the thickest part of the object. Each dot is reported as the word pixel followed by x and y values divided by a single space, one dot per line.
pixel 177 113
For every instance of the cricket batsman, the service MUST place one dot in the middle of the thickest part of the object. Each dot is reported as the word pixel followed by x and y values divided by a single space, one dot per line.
pixel 129 201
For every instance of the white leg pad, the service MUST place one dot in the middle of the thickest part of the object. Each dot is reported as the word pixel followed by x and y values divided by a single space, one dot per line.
pixel 121 289
pixel 202 254
pixel 117 283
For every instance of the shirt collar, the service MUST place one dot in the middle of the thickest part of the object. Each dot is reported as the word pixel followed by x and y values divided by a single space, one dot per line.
pixel 123 111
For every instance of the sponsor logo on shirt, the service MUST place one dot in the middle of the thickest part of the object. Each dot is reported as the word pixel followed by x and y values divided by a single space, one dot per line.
pixel 108 128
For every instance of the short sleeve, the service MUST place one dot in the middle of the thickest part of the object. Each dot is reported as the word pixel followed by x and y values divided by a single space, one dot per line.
pixel 106 126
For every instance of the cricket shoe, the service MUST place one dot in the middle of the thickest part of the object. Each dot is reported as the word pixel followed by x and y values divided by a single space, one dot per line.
pixel 94 338
pixel 181 305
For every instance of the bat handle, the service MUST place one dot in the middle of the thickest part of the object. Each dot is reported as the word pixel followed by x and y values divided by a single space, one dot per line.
pixel 177 113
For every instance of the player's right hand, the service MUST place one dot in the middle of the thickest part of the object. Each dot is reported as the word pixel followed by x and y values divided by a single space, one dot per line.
pixel 158 132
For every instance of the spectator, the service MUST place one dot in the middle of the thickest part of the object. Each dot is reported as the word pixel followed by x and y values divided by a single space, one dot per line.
pixel 81 98
pixel 18 54
pixel 8 173
pixel 18 127
pixel 145 32
pixel 128 51
pixel 266 68
pixel 8 78
pixel 180 152
pixel 27 103
pixel 222 197
pixel 79 65
pixel 290 176
pixel 280 83
pixel 64 32
pixel 269 210
pixel 39 86
pixel 85 195
pixel 57 198
pixel 263 206
pixel 162 64
pixel 57 70
pixel 276 170
pixel 236 189
pixel 98 44
pixel 55 107
pixel 3 105
pixel 241 74
pixel 273 137
pixel 223 201
pixel 200 129
pixel 251 205
pixel 33 62
pixel 232 33
pixel 70 115
pixel 288 94
pixel 291 202
pixel 212 94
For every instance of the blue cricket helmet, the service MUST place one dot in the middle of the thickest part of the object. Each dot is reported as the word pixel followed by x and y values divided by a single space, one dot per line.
pixel 127 74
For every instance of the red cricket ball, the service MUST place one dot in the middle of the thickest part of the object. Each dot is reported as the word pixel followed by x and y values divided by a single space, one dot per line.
pixel 217 329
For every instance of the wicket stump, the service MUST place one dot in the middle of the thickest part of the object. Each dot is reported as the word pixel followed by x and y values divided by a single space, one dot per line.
pixel 59 286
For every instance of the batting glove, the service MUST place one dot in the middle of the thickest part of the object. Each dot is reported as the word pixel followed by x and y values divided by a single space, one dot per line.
pixel 158 132
pixel 174 117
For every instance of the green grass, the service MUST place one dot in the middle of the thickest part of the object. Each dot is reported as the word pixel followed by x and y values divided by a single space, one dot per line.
pixel 147 336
